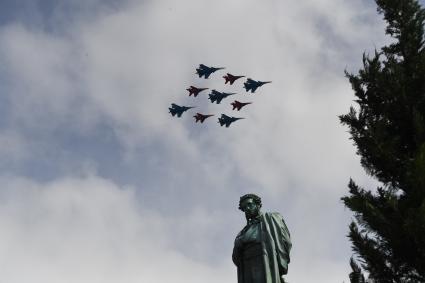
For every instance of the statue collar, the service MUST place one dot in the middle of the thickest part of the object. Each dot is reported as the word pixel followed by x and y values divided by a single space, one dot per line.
pixel 254 220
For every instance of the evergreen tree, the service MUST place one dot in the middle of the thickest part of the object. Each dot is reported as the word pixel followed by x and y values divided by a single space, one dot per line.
pixel 388 130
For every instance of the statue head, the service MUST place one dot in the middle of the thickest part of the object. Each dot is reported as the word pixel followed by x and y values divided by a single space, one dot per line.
pixel 251 205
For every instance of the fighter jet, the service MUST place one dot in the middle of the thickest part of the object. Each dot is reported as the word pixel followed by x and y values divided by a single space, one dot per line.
pixel 231 78
pixel 206 71
pixel 201 117
pixel 252 85
pixel 226 120
pixel 218 96
pixel 176 109
pixel 195 90
pixel 238 105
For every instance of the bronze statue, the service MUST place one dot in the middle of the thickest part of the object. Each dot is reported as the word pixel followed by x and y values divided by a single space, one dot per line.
pixel 261 250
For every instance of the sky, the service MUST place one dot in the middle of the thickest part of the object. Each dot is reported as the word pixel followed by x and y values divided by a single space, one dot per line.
pixel 100 184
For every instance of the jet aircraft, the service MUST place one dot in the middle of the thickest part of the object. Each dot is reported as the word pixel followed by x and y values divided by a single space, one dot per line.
pixel 206 71
pixel 195 90
pixel 238 105
pixel 252 85
pixel 231 78
pixel 176 109
pixel 218 96
pixel 201 117
pixel 226 120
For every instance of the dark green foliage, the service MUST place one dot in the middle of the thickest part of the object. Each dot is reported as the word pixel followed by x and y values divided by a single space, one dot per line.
pixel 388 130
pixel 356 276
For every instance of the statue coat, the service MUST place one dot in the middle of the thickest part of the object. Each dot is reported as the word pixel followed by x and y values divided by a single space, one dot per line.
pixel 276 245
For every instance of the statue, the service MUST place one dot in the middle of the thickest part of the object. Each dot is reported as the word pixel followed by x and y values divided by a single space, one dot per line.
pixel 261 250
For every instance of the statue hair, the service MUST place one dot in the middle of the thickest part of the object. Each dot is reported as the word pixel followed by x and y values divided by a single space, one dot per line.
pixel 255 198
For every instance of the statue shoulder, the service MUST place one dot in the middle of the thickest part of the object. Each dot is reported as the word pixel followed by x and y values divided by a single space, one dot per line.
pixel 275 215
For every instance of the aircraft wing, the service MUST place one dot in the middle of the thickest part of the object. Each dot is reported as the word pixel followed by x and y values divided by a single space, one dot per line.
pixel 200 72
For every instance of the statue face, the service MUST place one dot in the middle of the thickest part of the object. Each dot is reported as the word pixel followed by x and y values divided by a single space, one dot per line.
pixel 250 208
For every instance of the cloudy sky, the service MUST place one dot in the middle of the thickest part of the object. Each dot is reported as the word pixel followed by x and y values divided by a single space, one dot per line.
pixel 100 184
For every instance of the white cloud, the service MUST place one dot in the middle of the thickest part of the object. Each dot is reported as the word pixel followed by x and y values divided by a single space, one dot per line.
pixel 89 230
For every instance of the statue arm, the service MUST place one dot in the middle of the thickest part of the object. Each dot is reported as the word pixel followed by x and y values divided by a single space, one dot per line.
pixel 236 255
